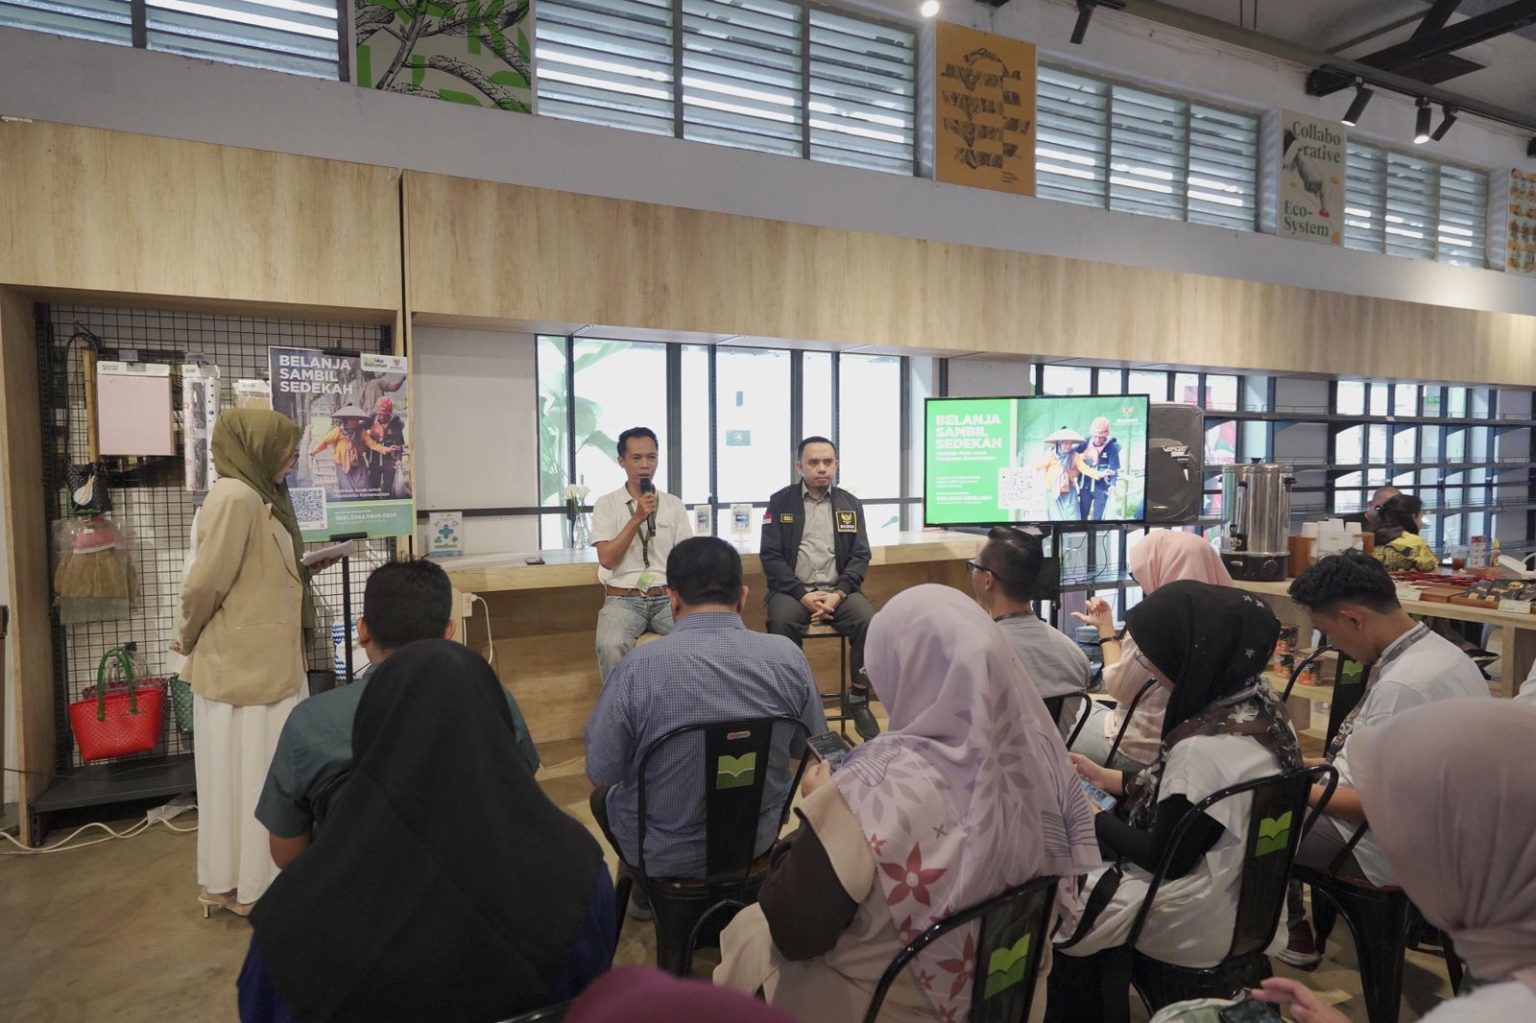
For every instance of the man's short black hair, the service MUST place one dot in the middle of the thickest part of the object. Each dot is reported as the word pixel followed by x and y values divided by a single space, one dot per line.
pixel 1352 577
pixel 637 431
pixel 800 451
pixel 704 570
pixel 406 601
pixel 1014 557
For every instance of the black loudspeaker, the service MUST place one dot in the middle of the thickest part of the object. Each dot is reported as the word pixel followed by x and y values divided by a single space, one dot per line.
pixel 1175 464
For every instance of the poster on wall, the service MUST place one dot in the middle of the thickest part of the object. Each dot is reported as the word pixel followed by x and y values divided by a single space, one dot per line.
pixel 1520 243
pixel 354 469
pixel 984 98
pixel 1312 155
pixel 465 51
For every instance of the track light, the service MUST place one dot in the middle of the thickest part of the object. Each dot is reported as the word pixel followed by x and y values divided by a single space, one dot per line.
pixel 929 8
pixel 1445 125
pixel 1357 105
pixel 1421 128
pixel 1084 15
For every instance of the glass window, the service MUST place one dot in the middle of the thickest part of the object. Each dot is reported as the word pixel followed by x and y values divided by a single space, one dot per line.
pixel 105 21
pixel 619 385
pixel 1404 445
pixel 754 453
pixel 1458 402
pixel 1349 398
pixel 553 421
pixel 863 89
pixel 816 396
pixel 1380 394
pixel 1149 382
pixel 869 427
pixel 1405 400
pixel 1405 205
pixel 1347 446
pixel 741 74
pixel 695 425
pixel 1109 381
pixel 1186 388
pixel 1221 392
pixel 883 519
pixel 1067 380
pixel 1433 401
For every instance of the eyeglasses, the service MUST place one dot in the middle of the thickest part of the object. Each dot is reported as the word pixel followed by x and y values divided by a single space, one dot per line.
pixel 974 567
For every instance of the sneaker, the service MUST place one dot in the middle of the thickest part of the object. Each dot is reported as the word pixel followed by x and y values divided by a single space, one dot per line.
pixel 1302 952
pixel 857 708
pixel 639 904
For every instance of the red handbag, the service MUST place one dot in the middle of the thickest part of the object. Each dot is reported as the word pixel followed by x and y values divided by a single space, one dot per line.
pixel 118 717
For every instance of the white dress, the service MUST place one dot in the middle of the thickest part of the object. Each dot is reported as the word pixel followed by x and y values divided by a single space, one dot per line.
pixel 233 748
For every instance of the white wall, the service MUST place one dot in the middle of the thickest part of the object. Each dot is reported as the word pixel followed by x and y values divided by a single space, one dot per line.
pixel 91 84
pixel 477 437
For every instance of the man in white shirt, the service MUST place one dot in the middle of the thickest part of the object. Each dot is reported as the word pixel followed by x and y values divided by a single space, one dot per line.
pixel 1003 577
pixel 1353 601
pixel 634 530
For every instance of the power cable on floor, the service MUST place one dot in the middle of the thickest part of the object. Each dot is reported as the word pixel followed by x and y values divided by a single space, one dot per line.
pixel 133 831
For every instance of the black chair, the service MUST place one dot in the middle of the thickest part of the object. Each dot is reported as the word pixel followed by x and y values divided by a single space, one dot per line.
pixel 1381 919
pixel 735 759
pixel 548 1014
pixel 1279 806
pixel 1300 667
pixel 1125 721
pixel 1008 948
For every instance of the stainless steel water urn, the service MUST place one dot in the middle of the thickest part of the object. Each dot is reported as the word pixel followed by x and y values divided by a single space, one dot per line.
pixel 1256 513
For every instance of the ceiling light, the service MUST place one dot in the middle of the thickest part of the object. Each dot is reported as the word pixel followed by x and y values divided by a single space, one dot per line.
pixel 1357 105
pixel 1421 128
pixel 929 8
pixel 1445 125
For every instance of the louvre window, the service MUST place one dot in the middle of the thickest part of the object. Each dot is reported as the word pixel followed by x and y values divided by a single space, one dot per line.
pixel 1406 206
pixel 775 76
pixel 1106 144
pixel 297 36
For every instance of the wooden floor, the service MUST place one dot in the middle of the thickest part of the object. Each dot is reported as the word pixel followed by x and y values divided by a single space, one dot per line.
pixel 114 933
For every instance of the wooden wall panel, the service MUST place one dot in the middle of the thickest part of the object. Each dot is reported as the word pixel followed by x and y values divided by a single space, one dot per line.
pixel 508 253
pixel 26 526
pixel 91 210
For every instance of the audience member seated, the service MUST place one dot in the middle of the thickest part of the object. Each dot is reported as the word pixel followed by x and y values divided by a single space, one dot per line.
pixel 1161 557
pixel 1003 578
pixel 923 821
pixel 644 994
pixel 1373 508
pixel 711 668
pixel 1398 544
pixel 404 602
pixel 444 884
pixel 1452 806
pixel 1206 645
pixel 1351 599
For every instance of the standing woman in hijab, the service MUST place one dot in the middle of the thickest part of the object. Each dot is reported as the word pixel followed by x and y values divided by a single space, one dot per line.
pixel 1206 645
pixel 1448 792
pixel 1160 558
pixel 968 793
pixel 445 884
pixel 241 629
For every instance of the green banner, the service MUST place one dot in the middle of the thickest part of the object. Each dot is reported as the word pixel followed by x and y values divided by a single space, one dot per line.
pixel 969 445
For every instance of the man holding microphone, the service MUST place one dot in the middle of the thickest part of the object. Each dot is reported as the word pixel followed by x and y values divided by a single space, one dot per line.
pixel 634 530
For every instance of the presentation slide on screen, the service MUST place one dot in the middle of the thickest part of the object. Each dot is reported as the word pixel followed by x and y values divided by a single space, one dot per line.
pixel 997 460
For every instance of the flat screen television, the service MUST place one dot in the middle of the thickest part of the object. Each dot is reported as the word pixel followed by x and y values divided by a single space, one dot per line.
pixel 1073 460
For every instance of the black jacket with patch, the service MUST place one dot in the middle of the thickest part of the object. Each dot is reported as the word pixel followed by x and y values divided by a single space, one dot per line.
pixel 784 526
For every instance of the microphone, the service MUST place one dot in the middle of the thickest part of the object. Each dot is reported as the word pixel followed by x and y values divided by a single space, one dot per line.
pixel 647 487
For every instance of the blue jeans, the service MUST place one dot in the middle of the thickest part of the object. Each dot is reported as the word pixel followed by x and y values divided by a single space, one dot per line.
pixel 622 620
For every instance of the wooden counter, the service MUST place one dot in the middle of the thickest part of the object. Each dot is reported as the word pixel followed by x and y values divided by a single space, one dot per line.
pixel 543 618
pixel 1517 632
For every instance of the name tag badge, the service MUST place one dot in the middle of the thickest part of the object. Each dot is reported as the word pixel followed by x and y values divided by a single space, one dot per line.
pixel 787 518
pixel 847 522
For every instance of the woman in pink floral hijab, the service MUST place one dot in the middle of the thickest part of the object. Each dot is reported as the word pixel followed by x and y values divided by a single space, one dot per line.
pixel 968 793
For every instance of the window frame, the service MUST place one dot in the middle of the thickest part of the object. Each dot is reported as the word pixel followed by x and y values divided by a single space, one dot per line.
pixel 1380 206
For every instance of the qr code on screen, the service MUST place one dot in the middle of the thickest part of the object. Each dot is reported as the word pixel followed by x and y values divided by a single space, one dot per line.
pixel 309 507
pixel 1013 487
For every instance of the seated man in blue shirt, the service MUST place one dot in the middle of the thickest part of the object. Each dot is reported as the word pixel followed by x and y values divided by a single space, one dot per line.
pixel 404 601
pixel 711 668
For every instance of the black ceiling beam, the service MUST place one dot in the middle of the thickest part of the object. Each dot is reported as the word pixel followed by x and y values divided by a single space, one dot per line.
pixel 1490 25
pixel 1438 15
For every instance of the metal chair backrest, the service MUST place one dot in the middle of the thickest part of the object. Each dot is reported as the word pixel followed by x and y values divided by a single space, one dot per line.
pixel 1300 667
pixel 736 760
pixel 1008 947
pixel 1274 831
pixel 1349 685
pixel 1125 720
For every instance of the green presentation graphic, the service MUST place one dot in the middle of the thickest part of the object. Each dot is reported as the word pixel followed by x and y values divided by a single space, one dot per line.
pixel 1048 459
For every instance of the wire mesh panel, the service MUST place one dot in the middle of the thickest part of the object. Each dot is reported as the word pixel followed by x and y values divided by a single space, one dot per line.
pixel 150 502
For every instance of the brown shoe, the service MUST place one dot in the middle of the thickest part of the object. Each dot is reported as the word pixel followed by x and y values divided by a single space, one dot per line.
pixel 1302 952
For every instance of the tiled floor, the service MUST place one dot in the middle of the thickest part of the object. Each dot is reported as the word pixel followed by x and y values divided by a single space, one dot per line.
pixel 114 932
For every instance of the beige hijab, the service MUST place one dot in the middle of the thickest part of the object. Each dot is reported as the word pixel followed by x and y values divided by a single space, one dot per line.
pixel 1448 792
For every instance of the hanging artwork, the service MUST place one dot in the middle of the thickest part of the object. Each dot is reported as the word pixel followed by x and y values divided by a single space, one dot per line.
pixel 199 411
pixel 354 469
pixel 984 96
pixel 465 51
pixel 1520 245
pixel 1312 155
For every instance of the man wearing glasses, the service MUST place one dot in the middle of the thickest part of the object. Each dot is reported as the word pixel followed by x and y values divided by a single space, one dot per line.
pixel 1003 577
pixel 634 530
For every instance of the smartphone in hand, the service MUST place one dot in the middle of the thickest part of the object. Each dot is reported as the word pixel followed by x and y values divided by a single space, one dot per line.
pixel 830 747
pixel 1249 1011
pixel 1101 799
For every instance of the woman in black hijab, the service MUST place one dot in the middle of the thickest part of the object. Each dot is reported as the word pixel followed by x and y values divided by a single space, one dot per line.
pixel 445 885
pixel 1208 645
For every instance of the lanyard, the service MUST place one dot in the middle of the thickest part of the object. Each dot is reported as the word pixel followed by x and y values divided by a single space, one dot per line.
pixel 645 539
pixel 1347 726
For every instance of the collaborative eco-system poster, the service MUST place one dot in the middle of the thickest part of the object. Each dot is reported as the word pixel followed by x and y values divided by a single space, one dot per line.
pixel 1312 162
pixel 354 469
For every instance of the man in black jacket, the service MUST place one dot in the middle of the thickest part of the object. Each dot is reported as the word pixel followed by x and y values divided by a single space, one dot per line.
pixel 815 552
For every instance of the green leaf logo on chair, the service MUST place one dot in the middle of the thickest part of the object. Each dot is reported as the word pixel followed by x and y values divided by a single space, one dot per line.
pixel 1274 835
pixel 735 772
pixel 1006 967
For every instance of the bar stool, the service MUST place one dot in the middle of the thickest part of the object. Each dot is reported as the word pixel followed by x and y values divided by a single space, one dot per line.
pixel 822 630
